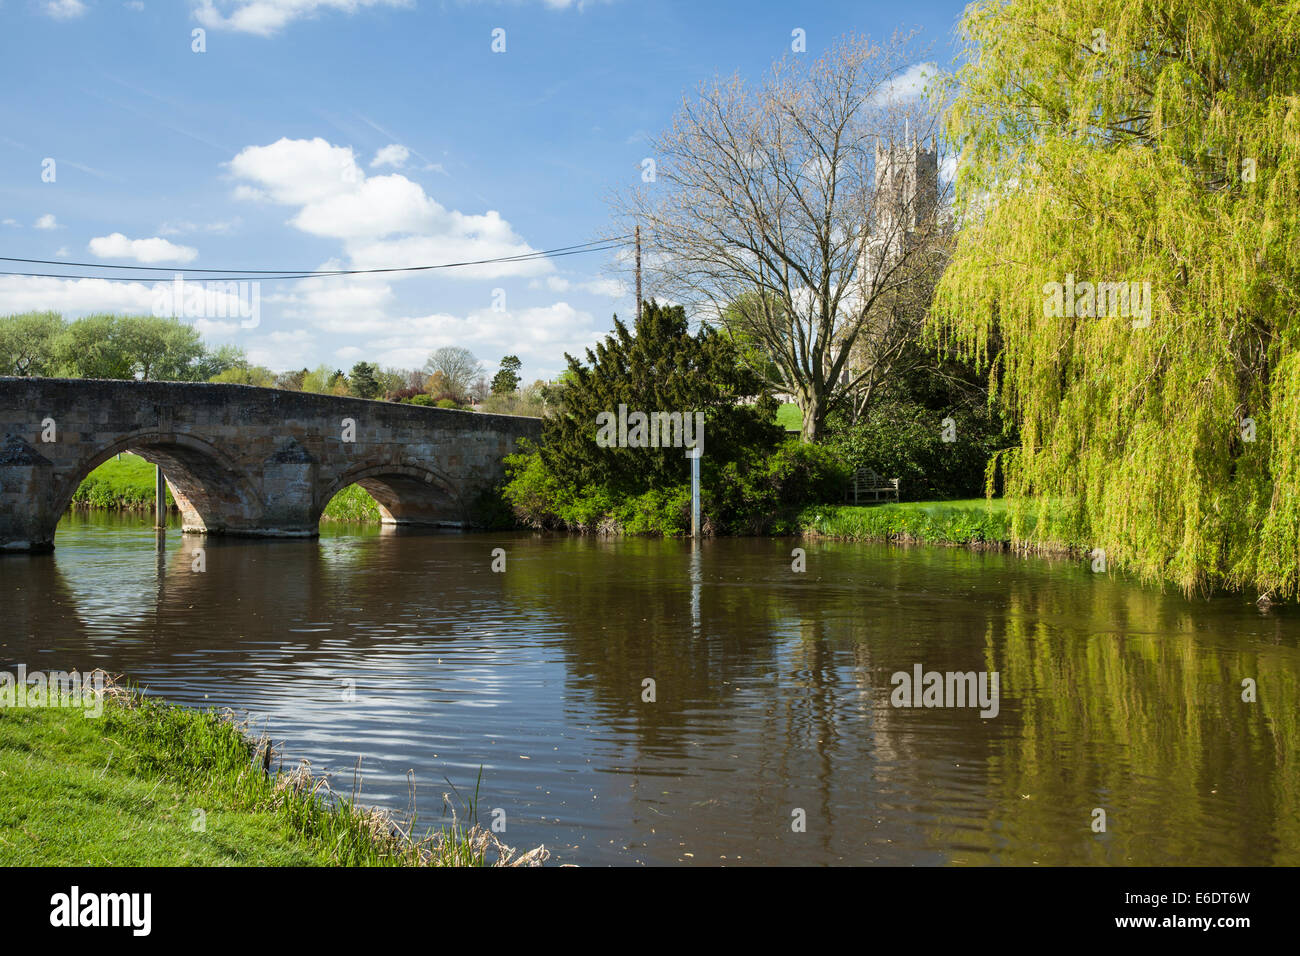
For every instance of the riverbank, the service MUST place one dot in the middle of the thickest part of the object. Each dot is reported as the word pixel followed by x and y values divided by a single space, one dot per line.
pixel 126 483
pixel 152 784
pixel 975 523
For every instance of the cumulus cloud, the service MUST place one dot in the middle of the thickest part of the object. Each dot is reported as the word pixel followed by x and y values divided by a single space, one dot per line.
pixel 391 155
pixel 183 226
pixel 384 221
pixel 64 9
pixel 71 296
pixel 610 288
pixel 118 246
pixel 539 336
pixel 268 17
pixel 908 85
pixel 47 222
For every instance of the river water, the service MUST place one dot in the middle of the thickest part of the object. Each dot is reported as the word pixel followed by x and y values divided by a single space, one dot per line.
pixel 771 737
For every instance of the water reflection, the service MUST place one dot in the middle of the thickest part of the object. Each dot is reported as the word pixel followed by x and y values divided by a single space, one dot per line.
pixel 772 689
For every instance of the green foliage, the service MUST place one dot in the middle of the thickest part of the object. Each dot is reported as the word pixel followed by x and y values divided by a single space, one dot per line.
pixel 749 497
pixel 353 503
pixel 531 401
pixel 27 343
pixel 1169 153
pixel 257 375
pixel 656 366
pixel 903 439
pixel 951 522
pixel 973 522
pixel 506 379
pixel 107 346
pixel 758 495
pixel 364 382
pixel 541 500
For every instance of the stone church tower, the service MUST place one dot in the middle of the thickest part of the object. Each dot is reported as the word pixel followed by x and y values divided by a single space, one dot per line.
pixel 906 191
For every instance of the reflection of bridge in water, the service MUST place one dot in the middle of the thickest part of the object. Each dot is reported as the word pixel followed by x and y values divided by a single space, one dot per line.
pixel 242 460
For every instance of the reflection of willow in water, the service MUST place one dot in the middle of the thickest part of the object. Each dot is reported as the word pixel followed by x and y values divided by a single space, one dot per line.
pixel 1146 721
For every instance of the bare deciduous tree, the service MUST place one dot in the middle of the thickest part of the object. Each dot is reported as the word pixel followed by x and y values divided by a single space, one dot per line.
pixel 458 366
pixel 795 210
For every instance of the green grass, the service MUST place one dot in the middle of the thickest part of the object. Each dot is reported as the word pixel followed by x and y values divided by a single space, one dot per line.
pixel 789 417
pixel 123 482
pixel 353 503
pixel 970 521
pixel 122 790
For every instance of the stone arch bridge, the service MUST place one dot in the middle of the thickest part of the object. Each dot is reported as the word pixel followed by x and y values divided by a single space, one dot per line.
pixel 239 459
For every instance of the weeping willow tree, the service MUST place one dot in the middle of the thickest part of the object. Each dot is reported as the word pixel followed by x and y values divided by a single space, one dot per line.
pixel 1151 142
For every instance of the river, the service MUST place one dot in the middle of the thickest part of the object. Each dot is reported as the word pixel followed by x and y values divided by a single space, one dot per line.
pixel 772 689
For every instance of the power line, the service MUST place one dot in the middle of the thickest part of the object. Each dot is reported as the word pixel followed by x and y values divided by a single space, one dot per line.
pixel 599 245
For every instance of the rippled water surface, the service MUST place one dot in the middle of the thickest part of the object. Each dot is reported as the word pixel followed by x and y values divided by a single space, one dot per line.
pixel 772 689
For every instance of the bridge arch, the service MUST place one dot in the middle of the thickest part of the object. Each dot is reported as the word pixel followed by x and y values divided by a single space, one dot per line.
pixel 212 492
pixel 406 494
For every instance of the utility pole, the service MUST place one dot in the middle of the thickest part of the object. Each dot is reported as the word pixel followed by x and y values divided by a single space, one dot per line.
pixel 638 271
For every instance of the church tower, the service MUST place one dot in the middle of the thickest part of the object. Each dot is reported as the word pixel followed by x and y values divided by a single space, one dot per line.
pixel 906 191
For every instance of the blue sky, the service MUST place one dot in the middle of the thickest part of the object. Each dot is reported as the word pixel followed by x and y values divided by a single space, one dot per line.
pixel 319 134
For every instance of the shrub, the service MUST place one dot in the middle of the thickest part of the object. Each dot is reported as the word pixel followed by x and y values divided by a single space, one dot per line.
pixel 903 439
pixel 764 494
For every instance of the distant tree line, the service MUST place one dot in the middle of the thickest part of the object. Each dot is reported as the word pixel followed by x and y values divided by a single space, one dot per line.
pixel 168 349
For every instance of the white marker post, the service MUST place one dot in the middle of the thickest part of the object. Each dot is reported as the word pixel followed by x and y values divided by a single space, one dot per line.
pixel 160 498
pixel 695 493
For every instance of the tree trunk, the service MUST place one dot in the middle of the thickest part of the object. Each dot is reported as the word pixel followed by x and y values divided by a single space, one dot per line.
pixel 814 410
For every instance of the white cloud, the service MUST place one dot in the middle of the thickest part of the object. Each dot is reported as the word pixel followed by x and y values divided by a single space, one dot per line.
pixel 64 9
pixel 70 296
pixel 182 226
pixel 47 222
pixel 611 288
pixel 268 17
pixel 10 222
pixel 342 304
pixel 384 221
pixel 62 252
pixel 539 336
pixel 908 85
pixel 134 5
pixel 391 155
pixel 118 246
pixel 297 171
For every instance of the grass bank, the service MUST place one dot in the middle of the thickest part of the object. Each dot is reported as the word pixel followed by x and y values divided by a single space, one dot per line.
pixel 123 483
pixel 972 522
pixel 152 784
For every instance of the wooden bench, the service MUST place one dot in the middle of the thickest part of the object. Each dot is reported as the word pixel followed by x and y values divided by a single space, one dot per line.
pixel 867 485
